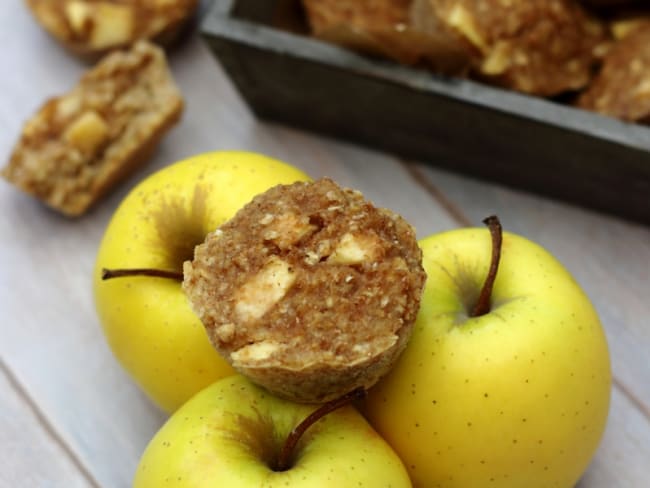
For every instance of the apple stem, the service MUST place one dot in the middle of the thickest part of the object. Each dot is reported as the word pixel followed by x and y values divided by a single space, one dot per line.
pixel 284 459
pixel 482 306
pixel 108 274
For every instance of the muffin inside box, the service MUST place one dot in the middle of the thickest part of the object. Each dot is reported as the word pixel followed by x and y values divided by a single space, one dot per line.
pixel 526 142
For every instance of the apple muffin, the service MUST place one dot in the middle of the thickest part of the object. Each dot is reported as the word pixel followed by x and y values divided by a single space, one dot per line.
pixel 77 146
pixel 622 88
pixel 93 27
pixel 541 47
pixel 383 27
pixel 366 25
pixel 310 290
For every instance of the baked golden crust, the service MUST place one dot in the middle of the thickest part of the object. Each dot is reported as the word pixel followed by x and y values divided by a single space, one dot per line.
pixel 93 27
pixel 384 27
pixel 627 23
pixel 622 88
pixel 541 47
pixel 309 290
pixel 363 14
pixel 77 146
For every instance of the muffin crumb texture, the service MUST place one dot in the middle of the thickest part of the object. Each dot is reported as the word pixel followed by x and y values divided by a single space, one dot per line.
pixel 309 290
pixel 78 145
pixel 622 87
pixel 94 27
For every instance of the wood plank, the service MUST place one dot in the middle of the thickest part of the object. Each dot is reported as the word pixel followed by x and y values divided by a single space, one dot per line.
pixel 30 454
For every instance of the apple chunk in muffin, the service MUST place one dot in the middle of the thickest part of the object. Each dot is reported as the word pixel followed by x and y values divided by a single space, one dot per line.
pixel 78 145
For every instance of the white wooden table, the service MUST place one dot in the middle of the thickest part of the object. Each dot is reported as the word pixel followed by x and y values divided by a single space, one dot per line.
pixel 69 416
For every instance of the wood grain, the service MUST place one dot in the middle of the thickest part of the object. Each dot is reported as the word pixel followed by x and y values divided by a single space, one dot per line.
pixel 31 453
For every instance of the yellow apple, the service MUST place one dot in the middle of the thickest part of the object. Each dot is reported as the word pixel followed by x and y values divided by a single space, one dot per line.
pixel 147 320
pixel 517 397
pixel 231 435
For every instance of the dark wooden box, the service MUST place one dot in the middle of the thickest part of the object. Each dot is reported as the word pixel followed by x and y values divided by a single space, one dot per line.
pixel 524 142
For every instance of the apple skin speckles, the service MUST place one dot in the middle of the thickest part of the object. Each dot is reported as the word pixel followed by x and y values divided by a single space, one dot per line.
pixel 539 355
pixel 230 435
pixel 147 321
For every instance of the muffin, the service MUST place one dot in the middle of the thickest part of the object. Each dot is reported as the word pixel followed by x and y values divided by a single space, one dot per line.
pixel 93 27
pixel 542 47
pixel 310 290
pixel 384 27
pixel 622 87
pixel 77 146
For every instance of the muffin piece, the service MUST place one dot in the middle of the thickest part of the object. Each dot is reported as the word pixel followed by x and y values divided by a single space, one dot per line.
pixel 542 47
pixel 622 88
pixel 92 27
pixel 79 145
pixel 383 27
pixel 367 15
pixel 310 290
pixel 625 24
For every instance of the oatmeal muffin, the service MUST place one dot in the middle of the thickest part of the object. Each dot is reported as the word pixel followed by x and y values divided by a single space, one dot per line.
pixel 310 290
pixel 92 27
pixel 622 88
pixel 79 145
pixel 540 47
pixel 383 27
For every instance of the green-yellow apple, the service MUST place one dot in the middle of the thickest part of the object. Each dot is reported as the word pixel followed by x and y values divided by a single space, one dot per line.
pixel 232 434
pixel 147 320
pixel 515 397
